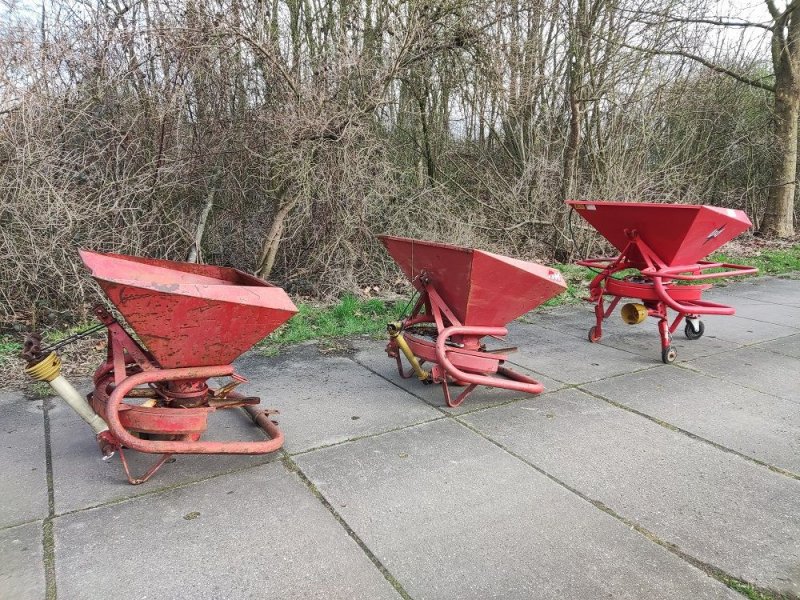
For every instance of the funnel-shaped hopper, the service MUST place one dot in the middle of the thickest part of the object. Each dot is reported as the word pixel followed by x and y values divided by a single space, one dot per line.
pixel 679 234
pixel 190 315
pixel 481 288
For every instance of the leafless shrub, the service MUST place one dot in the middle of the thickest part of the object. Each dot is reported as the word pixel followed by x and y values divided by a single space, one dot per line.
pixel 280 138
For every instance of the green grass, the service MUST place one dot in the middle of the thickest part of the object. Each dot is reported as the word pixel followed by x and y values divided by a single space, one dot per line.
pixel 9 346
pixel 748 590
pixel 577 279
pixel 350 316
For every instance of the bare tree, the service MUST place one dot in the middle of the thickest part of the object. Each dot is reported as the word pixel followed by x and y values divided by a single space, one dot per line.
pixel 279 137
pixel 784 83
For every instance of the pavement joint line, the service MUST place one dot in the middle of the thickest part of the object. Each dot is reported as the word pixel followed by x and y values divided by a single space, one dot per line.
pixel 167 488
pixel 606 345
pixel 699 371
pixel 756 343
pixel 395 384
pixel 393 581
pixel 509 401
pixel 655 365
pixel 767 304
pixel 778 352
pixel 366 436
pixel 712 571
pixel 19 524
pixel 48 538
pixel 694 436
pixel 771 301
pixel 739 345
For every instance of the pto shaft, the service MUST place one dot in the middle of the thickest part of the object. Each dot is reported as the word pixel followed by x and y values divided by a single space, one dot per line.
pixel 396 333
pixel 49 370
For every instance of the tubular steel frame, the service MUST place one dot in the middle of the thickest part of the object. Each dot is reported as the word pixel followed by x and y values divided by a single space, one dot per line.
pixel 656 289
pixel 177 429
pixel 457 354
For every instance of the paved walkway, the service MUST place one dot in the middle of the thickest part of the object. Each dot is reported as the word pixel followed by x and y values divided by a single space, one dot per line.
pixel 626 479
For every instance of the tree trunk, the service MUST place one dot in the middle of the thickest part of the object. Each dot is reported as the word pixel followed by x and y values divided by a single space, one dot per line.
pixel 579 45
pixel 560 251
pixel 273 240
pixel 779 216
pixel 195 252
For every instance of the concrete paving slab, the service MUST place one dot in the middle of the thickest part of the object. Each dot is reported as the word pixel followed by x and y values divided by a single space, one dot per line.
pixel 756 368
pixel 453 516
pixel 755 321
pixel 82 478
pixel 21 567
pixel 770 289
pixel 255 534
pixel 23 460
pixel 572 320
pixel 743 331
pixel 645 340
pixel 756 310
pixel 570 359
pixel 324 400
pixel 757 425
pixel 789 345
pixel 717 507
pixel 372 355
pixel 740 287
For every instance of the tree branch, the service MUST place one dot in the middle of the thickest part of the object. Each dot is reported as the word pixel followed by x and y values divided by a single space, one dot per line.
pixel 719 21
pixel 714 67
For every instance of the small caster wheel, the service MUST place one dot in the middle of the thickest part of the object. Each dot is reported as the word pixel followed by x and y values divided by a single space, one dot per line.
pixel 593 335
pixel 693 334
pixel 668 355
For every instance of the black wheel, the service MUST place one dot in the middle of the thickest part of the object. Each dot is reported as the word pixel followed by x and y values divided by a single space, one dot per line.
pixel 693 334
pixel 593 337
pixel 668 355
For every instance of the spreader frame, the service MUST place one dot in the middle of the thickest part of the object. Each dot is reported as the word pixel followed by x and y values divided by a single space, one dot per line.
pixel 131 372
pixel 456 352
pixel 655 287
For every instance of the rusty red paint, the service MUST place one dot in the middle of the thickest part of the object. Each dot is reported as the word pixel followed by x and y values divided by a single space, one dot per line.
pixel 190 315
pixel 665 243
pixel 466 295
pixel 127 440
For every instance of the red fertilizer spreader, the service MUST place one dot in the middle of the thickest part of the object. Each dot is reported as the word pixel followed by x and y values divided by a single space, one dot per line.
pixel 191 322
pixel 465 295
pixel 663 245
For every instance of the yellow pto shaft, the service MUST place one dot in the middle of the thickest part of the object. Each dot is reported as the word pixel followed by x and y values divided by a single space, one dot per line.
pixel 396 333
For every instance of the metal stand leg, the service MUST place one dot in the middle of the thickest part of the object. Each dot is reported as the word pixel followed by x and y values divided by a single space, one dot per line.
pixel 460 398
pixel 152 471
pixel 596 332
pixel 668 353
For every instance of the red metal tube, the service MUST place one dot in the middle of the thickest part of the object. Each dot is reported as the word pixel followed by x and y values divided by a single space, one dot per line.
pixel 675 272
pixel 183 446
pixel 529 387
pixel 699 307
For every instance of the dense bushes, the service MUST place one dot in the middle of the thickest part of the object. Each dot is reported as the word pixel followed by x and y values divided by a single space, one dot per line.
pixel 283 141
